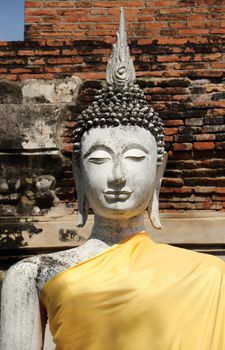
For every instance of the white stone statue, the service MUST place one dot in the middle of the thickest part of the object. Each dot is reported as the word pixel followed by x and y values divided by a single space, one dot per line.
pixel 118 176
pixel 119 161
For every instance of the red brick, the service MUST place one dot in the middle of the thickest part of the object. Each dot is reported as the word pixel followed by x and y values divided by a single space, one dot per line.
pixel 108 4
pixel 145 18
pixel 65 60
pixel 207 74
pixel 36 62
pixel 205 137
pixel 184 190
pixel 32 19
pixel 56 69
pixel 66 26
pixel 168 138
pixel 99 32
pixel 106 26
pixel 7 53
pixel 98 11
pixel 67 13
pixel 47 52
pixel 69 52
pixel 182 146
pixel 40 12
pixel 172 41
pixel 135 3
pixel 204 189
pixel 194 121
pixel 170 131
pixel 202 146
pixel 173 182
pixel 36 76
pixel 70 124
pixel 58 3
pixel 67 147
pixel 220 190
pixel 12 61
pixel 25 53
pixel 217 31
pixel 218 65
pixel 218 198
pixel 173 58
pixel 174 122
pixel 9 76
pixel 196 17
pixel 55 19
pixel 193 31
pixel 164 3
pixel 91 75
pixel 175 10
pixel 20 70
pixel 176 25
pixel 33 4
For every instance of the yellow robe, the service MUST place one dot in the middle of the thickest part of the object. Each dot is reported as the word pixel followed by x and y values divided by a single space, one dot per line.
pixel 139 295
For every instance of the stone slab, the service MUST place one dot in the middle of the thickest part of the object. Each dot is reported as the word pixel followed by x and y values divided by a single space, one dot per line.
pixel 200 230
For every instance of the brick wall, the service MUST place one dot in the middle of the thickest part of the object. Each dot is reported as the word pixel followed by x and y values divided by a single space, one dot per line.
pixel 179 55
pixel 148 19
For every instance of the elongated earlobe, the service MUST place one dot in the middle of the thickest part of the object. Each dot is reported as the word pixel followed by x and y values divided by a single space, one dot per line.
pixel 83 207
pixel 153 208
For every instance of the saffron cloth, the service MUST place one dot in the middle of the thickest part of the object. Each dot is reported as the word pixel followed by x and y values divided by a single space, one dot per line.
pixel 139 295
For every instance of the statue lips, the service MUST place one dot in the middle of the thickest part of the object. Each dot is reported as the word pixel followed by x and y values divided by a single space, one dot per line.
pixel 114 195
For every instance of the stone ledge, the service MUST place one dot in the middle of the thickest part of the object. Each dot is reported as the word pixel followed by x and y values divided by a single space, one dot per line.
pixel 58 229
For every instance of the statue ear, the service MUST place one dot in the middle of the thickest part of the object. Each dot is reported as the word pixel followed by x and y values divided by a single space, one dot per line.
pixel 82 213
pixel 153 208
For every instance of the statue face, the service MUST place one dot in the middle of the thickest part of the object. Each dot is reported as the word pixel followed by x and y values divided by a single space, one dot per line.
pixel 118 169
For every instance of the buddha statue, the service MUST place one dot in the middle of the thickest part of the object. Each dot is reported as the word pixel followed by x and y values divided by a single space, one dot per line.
pixel 119 290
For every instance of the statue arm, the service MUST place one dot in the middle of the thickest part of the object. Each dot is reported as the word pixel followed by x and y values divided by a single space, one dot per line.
pixel 22 320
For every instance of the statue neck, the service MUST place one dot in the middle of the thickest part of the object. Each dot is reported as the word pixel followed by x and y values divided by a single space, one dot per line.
pixel 113 231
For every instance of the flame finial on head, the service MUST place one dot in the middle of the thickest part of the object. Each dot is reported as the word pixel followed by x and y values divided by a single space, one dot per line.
pixel 120 68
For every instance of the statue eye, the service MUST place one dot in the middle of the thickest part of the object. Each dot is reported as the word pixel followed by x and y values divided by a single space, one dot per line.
pixel 99 157
pixel 135 155
pixel 98 160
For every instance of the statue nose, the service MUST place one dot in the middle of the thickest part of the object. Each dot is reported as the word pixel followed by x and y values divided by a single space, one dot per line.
pixel 117 177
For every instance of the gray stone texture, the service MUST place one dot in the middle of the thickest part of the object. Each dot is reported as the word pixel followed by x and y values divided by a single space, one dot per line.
pixel 35 175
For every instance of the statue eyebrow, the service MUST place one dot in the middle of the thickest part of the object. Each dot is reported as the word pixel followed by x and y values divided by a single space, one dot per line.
pixel 97 146
pixel 135 145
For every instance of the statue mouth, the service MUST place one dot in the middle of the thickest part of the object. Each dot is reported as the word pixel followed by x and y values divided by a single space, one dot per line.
pixel 117 195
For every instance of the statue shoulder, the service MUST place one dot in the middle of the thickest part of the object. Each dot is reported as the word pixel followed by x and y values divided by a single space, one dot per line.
pixel 51 264
pixel 36 271
pixel 23 271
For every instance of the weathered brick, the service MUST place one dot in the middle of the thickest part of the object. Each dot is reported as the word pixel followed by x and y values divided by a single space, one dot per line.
pixel 220 146
pixel 176 182
pixel 170 131
pixel 179 190
pixel 174 122
pixel 65 60
pixel 204 189
pixel 205 137
pixel 182 146
pixel 40 12
pixel 201 146
pixel 25 53
pixel 213 128
pixel 194 121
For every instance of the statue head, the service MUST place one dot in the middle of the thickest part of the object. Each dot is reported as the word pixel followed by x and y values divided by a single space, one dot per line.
pixel 119 156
